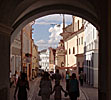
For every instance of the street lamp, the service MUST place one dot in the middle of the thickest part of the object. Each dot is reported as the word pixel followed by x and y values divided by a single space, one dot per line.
pixel 62 64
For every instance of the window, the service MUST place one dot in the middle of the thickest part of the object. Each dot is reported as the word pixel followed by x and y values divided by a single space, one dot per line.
pixel 92 45
pixel 89 63
pixel 73 50
pixel 77 41
pixel 81 40
pixel 93 33
pixel 78 24
pixel 69 51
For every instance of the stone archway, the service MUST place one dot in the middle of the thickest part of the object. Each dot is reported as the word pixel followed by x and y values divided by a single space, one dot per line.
pixel 20 12
pixel 85 10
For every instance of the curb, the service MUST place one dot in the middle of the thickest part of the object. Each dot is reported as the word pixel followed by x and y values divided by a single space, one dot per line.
pixel 86 96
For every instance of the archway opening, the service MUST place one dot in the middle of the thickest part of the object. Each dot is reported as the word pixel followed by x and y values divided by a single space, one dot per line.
pixel 73 33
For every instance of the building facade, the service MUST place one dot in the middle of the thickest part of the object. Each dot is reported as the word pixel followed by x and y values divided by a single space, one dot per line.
pixel 44 59
pixel 15 54
pixel 26 39
pixel 73 41
pixel 34 60
pixel 52 59
pixel 60 55
pixel 91 54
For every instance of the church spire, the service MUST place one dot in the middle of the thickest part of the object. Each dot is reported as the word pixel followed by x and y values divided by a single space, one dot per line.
pixel 63 23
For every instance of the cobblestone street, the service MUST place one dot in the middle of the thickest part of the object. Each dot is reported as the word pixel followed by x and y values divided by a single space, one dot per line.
pixel 85 92
pixel 36 97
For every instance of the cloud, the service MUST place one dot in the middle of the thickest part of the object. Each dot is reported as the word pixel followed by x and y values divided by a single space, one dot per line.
pixel 40 42
pixel 44 23
pixel 55 37
pixel 51 19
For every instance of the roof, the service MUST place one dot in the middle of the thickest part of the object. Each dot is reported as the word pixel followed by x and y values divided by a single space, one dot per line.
pixel 60 47
pixel 44 50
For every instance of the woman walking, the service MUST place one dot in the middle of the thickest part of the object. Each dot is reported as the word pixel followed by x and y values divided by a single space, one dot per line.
pixel 45 87
pixel 22 86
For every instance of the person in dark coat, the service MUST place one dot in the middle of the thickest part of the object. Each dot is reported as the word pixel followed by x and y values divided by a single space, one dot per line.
pixel 73 87
pixel 22 86
pixel 45 87
pixel 57 76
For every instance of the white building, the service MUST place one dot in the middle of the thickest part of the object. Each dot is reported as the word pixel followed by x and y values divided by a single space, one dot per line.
pixel 91 54
pixel 44 59
pixel 15 55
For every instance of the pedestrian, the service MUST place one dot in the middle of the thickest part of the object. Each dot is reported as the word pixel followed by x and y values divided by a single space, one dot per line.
pixel 45 87
pixel 11 82
pixel 73 87
pixel 81 78
pixel 57 89
pixel 16 76
pixel 22 86
pixel 57 76
pixel 67 80
pixel 62 76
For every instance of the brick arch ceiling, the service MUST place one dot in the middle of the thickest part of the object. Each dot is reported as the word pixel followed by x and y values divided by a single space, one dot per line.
pixel 24 15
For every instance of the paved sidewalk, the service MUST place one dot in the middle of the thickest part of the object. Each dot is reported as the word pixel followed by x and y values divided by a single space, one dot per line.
pixel 90 92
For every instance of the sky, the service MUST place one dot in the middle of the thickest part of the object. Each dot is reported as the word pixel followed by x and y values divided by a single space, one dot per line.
pixel 47 29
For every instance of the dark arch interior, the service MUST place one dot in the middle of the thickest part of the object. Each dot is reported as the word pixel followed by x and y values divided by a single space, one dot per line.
pixel 54 9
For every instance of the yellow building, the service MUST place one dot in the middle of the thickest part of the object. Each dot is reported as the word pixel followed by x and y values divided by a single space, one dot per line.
pixel 26 46
pixel 73 41
pixel 34 60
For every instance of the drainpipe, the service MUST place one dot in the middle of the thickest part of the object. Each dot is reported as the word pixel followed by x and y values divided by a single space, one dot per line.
pixel 63 23
pixel 67 54
pixel 77 51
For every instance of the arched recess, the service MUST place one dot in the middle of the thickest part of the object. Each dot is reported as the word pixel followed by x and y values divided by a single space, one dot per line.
pixel 39 9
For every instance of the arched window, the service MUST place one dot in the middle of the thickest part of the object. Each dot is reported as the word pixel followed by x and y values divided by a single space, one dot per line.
pixel 69 51
pixel 73 50
pixel 81 40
